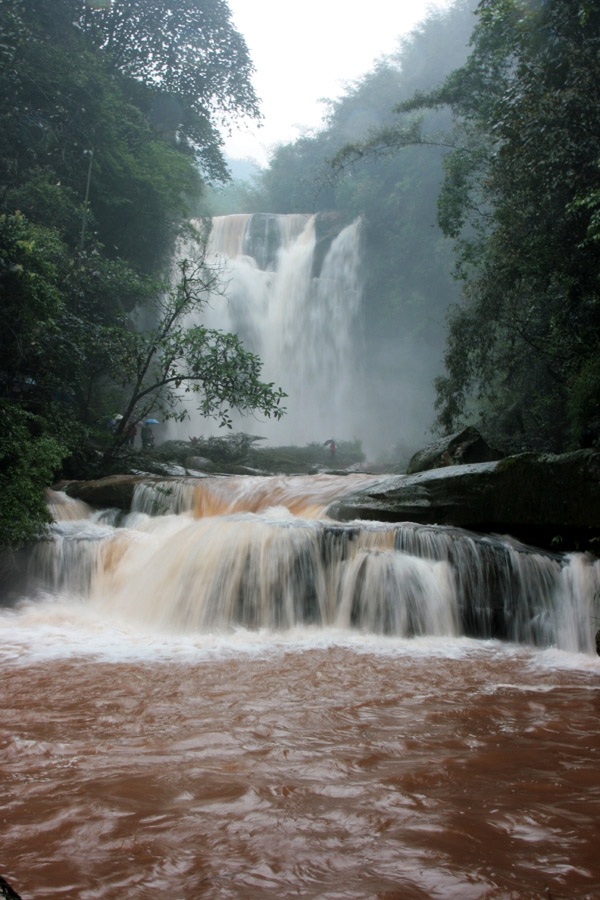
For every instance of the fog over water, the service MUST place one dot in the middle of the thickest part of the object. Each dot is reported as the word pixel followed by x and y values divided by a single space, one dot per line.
pixel 299 318
pixel 299 304
pixel 355 337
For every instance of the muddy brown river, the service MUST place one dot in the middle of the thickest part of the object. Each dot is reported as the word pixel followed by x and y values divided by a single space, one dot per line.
pixel 319 760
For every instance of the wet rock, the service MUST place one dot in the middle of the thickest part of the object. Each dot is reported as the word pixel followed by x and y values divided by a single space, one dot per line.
pixel 7 891
pixel 546 500
pixel 461 448
pixel 241 470
pixel 200 464
pixel 113 491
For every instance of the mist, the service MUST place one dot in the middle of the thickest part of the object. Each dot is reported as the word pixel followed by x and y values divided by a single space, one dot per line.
pixel 355 338
pixel 299 302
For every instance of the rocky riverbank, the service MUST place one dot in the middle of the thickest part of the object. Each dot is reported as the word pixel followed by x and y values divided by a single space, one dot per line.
pixel 545 500
pixel 550 501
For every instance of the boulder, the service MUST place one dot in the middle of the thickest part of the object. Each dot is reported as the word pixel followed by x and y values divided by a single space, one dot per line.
pixel 545 500
pixel 7 891
pixel 200 464
pixel 112 491
pixel 241 470
pixel 464 447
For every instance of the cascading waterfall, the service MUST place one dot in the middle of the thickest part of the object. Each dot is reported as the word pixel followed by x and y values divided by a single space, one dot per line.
pixel 223 692
pixel 297 314
pixel 260 553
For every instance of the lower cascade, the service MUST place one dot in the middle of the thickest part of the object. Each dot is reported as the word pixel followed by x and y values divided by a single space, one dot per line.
pixel 210 554
pixel 224 693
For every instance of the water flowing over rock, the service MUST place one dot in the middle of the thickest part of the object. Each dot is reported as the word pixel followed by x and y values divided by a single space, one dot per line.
pixel 259 553
pixel 294 299
pixel 339 709
pixel 544 499
pixel 112 491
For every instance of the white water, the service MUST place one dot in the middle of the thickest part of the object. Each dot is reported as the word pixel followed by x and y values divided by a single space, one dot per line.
pixel 223 694
pixel 301 323
pixel 218 556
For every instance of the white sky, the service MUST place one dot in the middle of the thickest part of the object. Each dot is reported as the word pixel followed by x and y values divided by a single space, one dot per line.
pixel 309 50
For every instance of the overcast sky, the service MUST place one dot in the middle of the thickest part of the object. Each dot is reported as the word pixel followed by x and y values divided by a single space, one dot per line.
pixel 306 51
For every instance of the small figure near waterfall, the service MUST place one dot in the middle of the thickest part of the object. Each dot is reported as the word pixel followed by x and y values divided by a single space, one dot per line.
pixel 131 433
pixel 331 444
pixel 147 436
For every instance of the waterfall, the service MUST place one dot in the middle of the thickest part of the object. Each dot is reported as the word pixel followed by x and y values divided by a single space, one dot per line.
pixel 222 692
pixel 294 300
pixel 216 553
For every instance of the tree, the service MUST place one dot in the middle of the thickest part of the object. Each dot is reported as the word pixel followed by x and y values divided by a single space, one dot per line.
pixel 99 153
pixel 30 295
pixel 177 356
pixel 30 457
pixel 521 199
pixel 78 149
pixel 188 55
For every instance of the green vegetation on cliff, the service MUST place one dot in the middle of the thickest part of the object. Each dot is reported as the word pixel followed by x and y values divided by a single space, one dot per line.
pixel 520 199
pixel 108 128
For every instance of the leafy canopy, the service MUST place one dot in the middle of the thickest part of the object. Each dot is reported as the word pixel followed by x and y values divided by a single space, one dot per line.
pixel 178 357
pixel 520 198
pixel 108 120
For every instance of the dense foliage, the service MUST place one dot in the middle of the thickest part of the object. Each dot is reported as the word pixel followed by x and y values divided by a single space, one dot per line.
pixel 527 339
pixel 194 65
pixel 521 199
pixel 29 457
pixel 108 126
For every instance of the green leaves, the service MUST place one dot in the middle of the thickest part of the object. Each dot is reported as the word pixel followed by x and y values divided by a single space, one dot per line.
pixel 29 456
pixel 156 365
pixel 29 257
pixel 185 50
pixel 522 204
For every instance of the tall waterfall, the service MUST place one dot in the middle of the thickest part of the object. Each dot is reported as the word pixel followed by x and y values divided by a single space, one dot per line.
pixel 294 300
